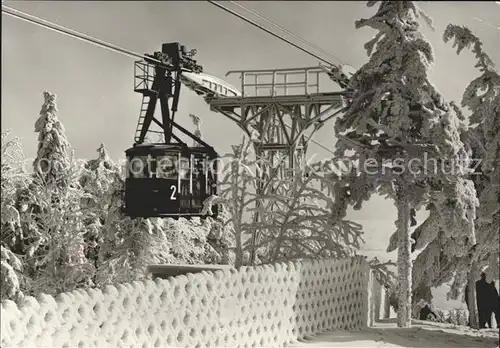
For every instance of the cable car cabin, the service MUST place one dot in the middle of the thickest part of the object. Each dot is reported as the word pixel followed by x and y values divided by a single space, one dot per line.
pixel 169 180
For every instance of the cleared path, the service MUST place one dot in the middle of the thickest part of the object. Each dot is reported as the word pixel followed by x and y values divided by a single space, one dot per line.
pixel 421 335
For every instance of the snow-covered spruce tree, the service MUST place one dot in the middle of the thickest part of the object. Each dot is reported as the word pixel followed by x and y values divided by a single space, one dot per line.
pixel 120 247
pixel 11 272
pixel 57 258
pixel 53 147
pixel 396 116
pixel 220 238
pixel 444 252
pixel 97 180
pixel 482 98
pixel 127 245
pixel 13 179
pixel 52 223
pixel 112 260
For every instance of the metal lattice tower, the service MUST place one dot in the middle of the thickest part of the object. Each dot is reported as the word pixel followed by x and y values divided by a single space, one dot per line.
pixel 285 107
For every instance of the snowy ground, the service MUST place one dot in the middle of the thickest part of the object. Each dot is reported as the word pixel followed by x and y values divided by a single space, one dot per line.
pixel 422 335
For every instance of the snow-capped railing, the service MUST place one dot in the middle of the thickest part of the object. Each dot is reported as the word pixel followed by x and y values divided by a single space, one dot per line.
pixel 260 306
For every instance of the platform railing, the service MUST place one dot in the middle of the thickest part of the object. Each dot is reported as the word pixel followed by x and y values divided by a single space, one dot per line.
pixel 280 82
pixel 144 74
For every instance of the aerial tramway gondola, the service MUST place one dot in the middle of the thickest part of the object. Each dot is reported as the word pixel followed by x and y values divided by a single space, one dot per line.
pixel 167 179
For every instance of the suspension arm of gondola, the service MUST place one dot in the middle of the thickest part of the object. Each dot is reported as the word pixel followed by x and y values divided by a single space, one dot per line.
pixel 175 101
pixel 165 95
pixel 166 87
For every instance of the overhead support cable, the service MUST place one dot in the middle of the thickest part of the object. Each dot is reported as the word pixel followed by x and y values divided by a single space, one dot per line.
pixel 72 33
pixel 486 23
pixel 289 32
pixel 268 31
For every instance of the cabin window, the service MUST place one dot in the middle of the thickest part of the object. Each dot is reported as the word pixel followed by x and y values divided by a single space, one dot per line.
pixel 127 168
pixel 184 170
pixel 139 167
pixel 198 179
pixel 185 181
pixel 206 168
pixel 166 167
pixel 210 170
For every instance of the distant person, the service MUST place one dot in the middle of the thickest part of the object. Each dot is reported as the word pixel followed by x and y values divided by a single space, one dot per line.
pixel 485 301
pixel 495 302
pixel 425 312
pixel 484 306
pixel 497 312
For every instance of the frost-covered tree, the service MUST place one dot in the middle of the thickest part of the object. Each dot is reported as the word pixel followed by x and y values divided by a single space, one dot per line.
pixel 197 128
pixel 295 216
pixel 10 274
pixel 300 224
pixel 189 240
pixel 441 316
pixel 13 179
pixel 459 317
pixel 127 246
pixel 422 292
pixel 383 272
pixel 97 178
pixel 421 295
pixel 56 255
pixel 221 238
pixel 237 188
pixel 53 148
pixel 50 213
pixel 397 121
pixel 482 98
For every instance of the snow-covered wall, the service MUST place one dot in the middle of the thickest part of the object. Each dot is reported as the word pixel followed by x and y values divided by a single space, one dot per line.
pixel 260 306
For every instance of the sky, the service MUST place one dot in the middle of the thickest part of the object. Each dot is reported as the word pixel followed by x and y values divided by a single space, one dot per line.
pixel 94 86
